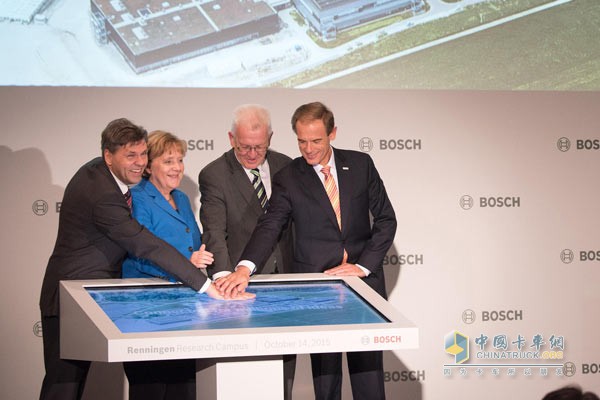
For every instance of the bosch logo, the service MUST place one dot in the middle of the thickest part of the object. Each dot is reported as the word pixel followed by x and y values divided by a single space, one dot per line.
pixel 387 339
pixel 400 144
pixel 466 202
pixel 563 144
pixel 469 316
pixel 590 369
pixel 589 255
pixel 365 144
pixel 403 259
pixel 569 369
pixel 588 144
pixel 499 202
pixel 567 256
pixel 40 207
pixel 37 329
pixel 365 340
pixel 509 315
pixel 403 376
pixel 200 144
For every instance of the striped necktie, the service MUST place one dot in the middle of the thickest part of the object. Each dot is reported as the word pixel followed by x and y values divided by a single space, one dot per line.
pixel 332 193
pixel 259 188
pixel 128 199
pixel 334 198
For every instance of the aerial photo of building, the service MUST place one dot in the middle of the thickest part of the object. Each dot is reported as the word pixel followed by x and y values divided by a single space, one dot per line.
pixel 327 17
pixel 154 33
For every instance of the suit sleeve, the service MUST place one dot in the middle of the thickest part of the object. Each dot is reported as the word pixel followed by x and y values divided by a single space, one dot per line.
pixel 112 217
pixel 384 222
pixel 213 218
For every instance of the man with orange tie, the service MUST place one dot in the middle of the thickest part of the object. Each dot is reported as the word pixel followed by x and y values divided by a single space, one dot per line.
pixel 330 195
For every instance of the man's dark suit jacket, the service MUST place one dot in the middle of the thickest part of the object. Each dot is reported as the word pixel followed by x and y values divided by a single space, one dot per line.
pixel 96 231
pixel 229 212
pixel 299 195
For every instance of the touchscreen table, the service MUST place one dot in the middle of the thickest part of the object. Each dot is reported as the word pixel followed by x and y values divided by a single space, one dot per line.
pixel 277 304
pixel 149 319
pixel 233 341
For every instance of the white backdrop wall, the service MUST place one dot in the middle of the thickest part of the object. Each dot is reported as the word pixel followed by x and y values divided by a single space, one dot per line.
pixel 481 271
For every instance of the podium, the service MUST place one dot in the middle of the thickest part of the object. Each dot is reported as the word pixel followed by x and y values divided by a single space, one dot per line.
pixel 120 320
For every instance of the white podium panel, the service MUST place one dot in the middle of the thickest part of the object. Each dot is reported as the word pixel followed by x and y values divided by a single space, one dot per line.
pixel 235 378
pixel 150 319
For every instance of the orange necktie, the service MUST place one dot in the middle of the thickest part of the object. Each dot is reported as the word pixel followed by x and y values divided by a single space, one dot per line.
pixel 334 198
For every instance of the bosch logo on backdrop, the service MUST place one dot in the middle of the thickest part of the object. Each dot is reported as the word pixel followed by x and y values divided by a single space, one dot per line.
pixel 569 369
pixel 200 144
pixel 40 207
pixel 400 144
pixel 365 144
pixel 567 256
pixel 590 368
pixel 404 376
pixel 564 144
pixel 403 259
pixel 467 202
pixel 469 316
pixel 37 329
pixel 502 315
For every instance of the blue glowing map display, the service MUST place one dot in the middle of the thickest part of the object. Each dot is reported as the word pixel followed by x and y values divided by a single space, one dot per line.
pixel 176 307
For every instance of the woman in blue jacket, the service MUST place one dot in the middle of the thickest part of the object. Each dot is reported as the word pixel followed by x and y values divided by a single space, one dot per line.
pixel 165 211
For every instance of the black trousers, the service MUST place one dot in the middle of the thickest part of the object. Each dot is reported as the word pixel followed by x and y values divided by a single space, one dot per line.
pixel 366 375
pixel 161 380
pixel 64 379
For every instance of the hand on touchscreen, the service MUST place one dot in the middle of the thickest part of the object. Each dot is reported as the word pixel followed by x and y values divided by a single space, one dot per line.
pixel 214 293
pixel 234 284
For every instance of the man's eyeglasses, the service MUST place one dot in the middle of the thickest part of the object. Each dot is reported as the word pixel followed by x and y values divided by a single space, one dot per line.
pixel 247 149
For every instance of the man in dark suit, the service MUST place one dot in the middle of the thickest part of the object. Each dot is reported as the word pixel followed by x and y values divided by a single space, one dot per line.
pixel 346 242
pixel 95 232
pixel 230 206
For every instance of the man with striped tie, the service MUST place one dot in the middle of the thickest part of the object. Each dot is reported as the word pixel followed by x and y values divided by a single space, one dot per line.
pixel 234 190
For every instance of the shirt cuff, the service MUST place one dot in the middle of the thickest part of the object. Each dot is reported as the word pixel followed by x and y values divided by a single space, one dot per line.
pixel 220 274
pixel 205 287
pixel 248 264
pixel 366 271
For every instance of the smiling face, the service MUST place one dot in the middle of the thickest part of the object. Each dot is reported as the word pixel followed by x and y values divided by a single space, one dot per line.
pixel 128 161
pixel 314 142
pixel 166 170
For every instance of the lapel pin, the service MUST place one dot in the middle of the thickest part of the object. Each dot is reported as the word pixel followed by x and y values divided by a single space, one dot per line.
pixel 345 168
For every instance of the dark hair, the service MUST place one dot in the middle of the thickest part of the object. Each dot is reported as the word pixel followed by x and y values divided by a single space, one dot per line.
pixel 570 393
pixel 120 132
pixel 314 111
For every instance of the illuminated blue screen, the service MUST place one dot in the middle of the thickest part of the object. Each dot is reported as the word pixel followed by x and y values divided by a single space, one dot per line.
pixel 173 308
